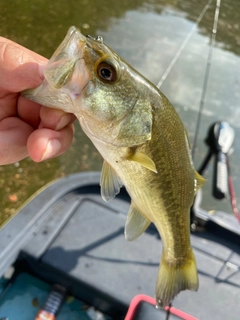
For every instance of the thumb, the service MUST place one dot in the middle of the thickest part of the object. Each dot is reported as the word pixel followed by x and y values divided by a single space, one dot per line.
pixel 20 68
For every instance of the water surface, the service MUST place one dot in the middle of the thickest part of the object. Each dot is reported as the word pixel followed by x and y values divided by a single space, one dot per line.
pixel 148 34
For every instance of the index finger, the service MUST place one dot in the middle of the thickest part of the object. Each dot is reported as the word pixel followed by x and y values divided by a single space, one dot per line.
pixel 20 68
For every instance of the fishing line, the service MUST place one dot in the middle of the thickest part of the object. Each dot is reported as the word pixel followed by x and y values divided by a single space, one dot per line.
pixel 206 76
pixel 183 45
pixel 232 194
pixel 168 312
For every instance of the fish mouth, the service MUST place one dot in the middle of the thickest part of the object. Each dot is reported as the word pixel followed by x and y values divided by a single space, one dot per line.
pixel 66 75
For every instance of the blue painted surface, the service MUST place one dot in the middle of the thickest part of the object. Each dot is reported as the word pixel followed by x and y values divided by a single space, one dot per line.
pixel 26 296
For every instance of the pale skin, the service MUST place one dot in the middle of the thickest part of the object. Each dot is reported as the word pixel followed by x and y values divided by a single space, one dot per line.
pixel 27 128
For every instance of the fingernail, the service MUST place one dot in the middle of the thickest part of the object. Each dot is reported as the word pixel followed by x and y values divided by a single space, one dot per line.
pixel 41 69
pixel 53 147
pixel 66 119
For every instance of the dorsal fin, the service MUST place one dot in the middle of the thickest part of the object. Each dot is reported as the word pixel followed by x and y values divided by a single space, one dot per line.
pixel 136 223
pixel 199 181
pixel 110 182
pixel 142 159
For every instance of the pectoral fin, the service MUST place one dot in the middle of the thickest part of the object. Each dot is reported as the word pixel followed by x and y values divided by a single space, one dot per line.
pixel 142 159
pixel 110 182
pixel 136 224
pixel 199 181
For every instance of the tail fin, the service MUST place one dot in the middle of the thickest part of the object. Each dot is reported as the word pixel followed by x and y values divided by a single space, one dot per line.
pixel 175 277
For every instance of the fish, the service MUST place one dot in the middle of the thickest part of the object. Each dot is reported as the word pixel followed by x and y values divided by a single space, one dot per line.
pixel 143 142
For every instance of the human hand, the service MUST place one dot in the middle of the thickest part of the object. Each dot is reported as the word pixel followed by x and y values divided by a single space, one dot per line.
pixel 27 128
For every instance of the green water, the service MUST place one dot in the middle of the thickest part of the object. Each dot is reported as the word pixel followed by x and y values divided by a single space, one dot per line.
pixel 148 34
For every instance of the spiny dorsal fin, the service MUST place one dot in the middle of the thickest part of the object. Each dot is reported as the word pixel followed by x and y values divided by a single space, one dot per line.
pixel 142 159
pixel 136 223
pixel 199 181
pixel 110 182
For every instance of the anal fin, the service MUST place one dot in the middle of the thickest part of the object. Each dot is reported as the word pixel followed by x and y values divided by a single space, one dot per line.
pixel 136 224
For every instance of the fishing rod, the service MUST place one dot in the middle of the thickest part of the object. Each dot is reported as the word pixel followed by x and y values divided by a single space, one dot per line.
pixel 220 140
pixel 208 66
pixel 222 180
pixel 183 45
pixel 220 137
pixel 206 76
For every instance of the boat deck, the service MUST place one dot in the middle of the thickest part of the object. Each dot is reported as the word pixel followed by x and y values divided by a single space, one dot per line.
pixel 68 235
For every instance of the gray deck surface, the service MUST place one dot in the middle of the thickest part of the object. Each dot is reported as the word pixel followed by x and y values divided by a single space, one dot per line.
pixel 81 235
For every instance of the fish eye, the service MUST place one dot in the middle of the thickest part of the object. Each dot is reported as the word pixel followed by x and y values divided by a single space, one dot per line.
pixel 106 71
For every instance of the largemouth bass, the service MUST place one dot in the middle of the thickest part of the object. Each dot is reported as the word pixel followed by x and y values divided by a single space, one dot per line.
pixel 143 142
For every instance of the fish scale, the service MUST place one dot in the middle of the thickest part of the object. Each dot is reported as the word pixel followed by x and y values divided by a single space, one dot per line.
pixel 143 143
